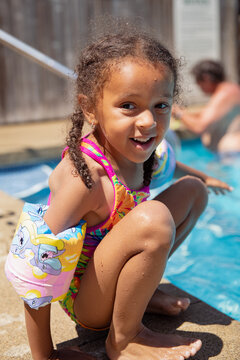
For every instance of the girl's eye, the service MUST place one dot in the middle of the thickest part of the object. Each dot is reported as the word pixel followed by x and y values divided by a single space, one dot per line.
pixel 162 106
pixel 128 106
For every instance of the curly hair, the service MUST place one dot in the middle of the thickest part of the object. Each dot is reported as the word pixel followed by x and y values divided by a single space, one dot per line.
pixel 212 68
pixel 94 70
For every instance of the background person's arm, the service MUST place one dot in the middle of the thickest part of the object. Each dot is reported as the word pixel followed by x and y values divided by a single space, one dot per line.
pixel 200 121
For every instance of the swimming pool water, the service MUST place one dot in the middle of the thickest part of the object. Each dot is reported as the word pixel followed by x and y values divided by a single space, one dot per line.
pixel 207 264
pixel 28 182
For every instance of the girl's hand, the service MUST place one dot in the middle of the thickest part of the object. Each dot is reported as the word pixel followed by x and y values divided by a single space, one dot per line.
pixel 70 353
pixel 217 186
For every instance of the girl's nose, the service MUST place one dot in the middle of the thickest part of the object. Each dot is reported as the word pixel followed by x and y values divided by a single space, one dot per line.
pixel 146 119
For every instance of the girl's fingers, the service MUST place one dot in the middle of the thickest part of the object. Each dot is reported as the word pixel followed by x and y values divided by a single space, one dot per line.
pixel 220 188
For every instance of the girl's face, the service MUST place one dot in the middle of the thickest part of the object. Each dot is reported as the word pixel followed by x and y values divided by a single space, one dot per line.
pixel 134 110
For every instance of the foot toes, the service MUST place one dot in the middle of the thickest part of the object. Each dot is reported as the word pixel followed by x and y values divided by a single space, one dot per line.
pixel 196 346
pixel 183 303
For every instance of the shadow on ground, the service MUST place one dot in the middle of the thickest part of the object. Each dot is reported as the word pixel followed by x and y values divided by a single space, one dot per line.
pixel 199 314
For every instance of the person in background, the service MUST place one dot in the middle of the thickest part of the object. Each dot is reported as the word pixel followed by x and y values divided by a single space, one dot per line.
pixel 218 123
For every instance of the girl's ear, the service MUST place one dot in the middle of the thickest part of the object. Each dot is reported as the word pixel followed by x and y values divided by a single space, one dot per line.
pixel 87 109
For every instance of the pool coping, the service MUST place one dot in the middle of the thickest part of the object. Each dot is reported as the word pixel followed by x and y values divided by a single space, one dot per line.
pixel 30 156
pixel 29 142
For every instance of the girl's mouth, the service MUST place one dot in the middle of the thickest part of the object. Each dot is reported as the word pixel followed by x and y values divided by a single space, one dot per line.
pixel 142 143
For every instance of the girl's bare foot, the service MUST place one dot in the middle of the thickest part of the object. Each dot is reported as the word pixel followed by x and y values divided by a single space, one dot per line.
pixel 162 303
pixel 153 346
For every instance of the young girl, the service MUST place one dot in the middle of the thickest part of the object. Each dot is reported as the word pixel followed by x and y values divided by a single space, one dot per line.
pixel 126 85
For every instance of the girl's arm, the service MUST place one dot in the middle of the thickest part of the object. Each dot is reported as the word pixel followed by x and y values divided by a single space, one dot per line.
pixel 40 340
pixel 218 105
pixel 39 333
pixel 70 202
pixel 216 185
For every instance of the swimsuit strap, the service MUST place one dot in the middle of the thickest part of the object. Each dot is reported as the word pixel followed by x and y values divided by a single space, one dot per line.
pixel 89 148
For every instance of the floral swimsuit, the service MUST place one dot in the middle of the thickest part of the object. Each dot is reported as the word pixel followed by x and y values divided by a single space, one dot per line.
pixel 125 200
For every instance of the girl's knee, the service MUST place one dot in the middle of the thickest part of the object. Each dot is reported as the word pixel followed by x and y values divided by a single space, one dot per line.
pixel 198 191
pixel 201 192
pixel 156 224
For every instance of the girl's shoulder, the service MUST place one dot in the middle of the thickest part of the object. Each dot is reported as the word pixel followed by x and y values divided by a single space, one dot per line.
pixel 71 200
pixel 66 175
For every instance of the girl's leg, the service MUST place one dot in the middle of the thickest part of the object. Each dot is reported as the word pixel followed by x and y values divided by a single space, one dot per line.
pixel 186 199
pixel 120 279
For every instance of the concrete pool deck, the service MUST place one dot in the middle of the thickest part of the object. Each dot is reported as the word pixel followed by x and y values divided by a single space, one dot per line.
pixel 219 333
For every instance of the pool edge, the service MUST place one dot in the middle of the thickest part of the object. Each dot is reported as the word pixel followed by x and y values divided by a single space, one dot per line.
pixel 30 156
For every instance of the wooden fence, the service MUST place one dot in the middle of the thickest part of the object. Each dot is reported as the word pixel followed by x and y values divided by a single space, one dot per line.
pixel 59 28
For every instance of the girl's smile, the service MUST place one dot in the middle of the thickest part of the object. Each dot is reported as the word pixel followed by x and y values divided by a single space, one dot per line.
pixel 142 144
pixel 134 110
